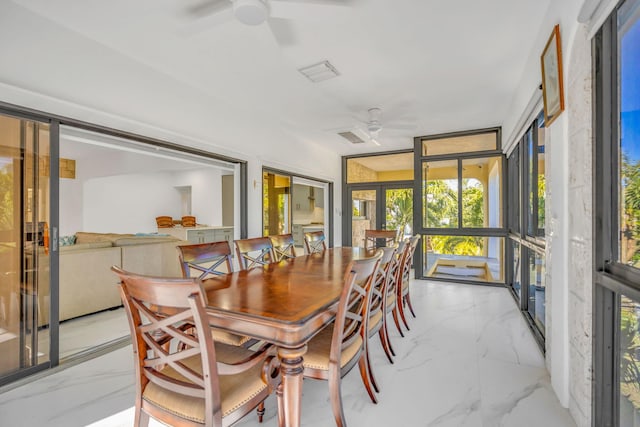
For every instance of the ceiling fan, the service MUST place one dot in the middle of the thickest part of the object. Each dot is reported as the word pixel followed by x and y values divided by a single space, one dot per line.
pixel 276 13
pixel 369 129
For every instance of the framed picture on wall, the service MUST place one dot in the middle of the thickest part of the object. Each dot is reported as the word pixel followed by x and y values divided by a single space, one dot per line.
pixel 552 88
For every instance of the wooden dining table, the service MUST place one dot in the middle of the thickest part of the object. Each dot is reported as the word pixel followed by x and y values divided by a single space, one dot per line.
pixel 286 304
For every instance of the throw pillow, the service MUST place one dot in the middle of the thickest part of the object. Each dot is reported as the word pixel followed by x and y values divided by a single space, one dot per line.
pixel 68 240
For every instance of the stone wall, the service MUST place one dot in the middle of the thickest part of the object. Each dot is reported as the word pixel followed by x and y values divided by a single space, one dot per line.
pixel 580 280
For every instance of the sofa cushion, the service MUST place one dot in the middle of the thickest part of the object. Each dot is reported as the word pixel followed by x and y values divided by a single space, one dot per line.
pixel 85 246
pixel 130 241
pixel 86 237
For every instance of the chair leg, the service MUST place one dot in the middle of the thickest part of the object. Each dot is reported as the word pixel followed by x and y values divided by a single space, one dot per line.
pixel 397 321
pixel 335 394
pixel 260 411
pixel 364 373
pixel 372 377
pixel 408 298
pixel 400 308
pixel 386 334
pixel 384 340
pixel 141 418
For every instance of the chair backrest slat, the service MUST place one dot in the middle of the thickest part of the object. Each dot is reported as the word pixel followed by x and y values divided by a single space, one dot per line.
pixel 283 246
pixel 254 252
pixel 207 259
pixel 381 280
pixel 314 242
pixel 161 311
pixel 352 315
pixel 371 238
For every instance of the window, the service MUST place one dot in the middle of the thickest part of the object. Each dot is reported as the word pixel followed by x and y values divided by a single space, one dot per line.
pixel 484 141
pixel 441 194
pixel 617 232
pixel 514 201
pixel 381 168
pixel 535 181
pixel 462 207
pixel 527 204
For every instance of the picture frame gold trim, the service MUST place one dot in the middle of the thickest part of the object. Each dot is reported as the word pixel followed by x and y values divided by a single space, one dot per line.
pixel 552 79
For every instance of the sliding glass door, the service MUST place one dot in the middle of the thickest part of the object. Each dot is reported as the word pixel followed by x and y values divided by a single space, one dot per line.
pixel 293 204
pixel 25 299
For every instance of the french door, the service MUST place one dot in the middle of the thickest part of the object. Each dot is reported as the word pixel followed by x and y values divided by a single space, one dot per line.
pixel 25 247
pixel 380 207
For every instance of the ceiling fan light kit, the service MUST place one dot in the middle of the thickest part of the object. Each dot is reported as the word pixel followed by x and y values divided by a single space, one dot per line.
pixel 250 12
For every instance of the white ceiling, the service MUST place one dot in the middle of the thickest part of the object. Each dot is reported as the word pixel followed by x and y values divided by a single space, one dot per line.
pixel 432 66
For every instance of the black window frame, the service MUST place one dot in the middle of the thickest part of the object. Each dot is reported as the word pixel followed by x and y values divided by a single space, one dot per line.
pixel 501 232
pixel 522 217
pixel 611 278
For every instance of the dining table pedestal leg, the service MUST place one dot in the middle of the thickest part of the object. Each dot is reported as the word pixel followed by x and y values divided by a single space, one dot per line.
pixel 289 392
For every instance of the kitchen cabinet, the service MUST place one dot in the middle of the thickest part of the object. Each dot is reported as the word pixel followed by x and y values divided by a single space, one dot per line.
pixel 201 234
pixel 306 198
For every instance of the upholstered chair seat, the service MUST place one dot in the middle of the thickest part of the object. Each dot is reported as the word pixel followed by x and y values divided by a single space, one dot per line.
pixel 318 349
pixel 235 390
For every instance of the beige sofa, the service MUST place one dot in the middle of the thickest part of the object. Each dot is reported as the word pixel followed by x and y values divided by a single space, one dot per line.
pixel 88 285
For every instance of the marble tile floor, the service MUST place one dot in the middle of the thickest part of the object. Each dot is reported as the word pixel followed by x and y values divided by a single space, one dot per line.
pixel 80 334
pixel 469 360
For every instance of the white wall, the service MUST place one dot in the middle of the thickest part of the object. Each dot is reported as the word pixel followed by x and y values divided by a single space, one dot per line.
pixel 129 203
pixel 71 205
pixel 206 194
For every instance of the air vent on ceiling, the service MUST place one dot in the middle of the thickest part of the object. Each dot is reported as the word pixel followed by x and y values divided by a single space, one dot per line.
pixel 351 137
pixel 320 71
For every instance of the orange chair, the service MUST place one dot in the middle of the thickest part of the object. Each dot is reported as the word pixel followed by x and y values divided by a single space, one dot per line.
pixel 188 221
pixel 164 221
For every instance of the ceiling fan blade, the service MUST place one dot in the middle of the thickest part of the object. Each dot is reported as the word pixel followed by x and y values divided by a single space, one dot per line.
pixel 375 141
pixel 303 9
pixel 282 31
pixel 399 126
pixel 208 7
pixel 206 22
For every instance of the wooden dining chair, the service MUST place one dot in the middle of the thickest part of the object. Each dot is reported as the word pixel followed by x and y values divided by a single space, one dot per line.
pixel 371 238
pixel 336 349
pixel 283 246
pixel 395 271
pixel 314 242
pixel 245 248
pixel 204 260
pixel 402 285
pixel 194 381
pixel 378 309
pixel 188 221
pixel 164 221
